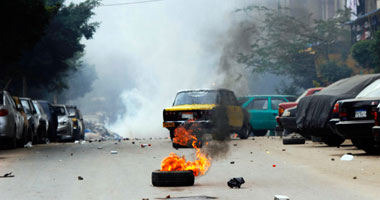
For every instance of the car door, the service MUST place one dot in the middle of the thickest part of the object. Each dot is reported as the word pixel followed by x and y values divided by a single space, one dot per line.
pixel 273 109
pixel 234 111
pixel 260 115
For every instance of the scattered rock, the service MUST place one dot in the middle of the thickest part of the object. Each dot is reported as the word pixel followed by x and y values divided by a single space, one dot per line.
pixel 235 145
pixel 8 175
pixel 232 162
pixel 332 159
pixel 83 142
pixel 114 152
pixel 76 142
pixel 133 142
pixel 100 147
pixel 80 178
pixel 72 154
pixel 28 145
pixel 355 177
pixel 347 157
pixel 281 197
pixel 283 149
pixel 168 197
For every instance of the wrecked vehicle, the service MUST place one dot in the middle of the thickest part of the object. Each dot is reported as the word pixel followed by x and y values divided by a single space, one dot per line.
pixel 215 111
pixel 33 118
pixel 78 125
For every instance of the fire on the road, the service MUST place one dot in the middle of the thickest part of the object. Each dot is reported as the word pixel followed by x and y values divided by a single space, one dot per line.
pixel 173 162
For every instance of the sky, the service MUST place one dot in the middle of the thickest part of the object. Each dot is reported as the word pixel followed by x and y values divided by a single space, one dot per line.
pixel 147 52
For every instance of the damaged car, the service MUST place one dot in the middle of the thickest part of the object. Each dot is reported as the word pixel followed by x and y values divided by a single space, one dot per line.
pixel 214 111
pixel 65 124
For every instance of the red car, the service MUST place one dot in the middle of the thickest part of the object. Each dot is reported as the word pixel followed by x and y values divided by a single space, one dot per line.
pixel 286 105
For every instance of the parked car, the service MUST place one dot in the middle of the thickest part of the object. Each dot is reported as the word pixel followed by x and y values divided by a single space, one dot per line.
pixel 315 112
pixel 43 124
pixel 78 125
pixel 27 130
pixel 11 121
pixel 357 117
pixel 215 111
pixel 65 124
pixel 284 130
pixel 32 118
pixel 52 119
pixel 263 110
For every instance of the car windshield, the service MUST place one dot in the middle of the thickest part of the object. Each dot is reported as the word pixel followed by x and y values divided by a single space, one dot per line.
pixel 72 112
pixel 196 97
pixel 60 110
pixel 26 106
pixel 373 90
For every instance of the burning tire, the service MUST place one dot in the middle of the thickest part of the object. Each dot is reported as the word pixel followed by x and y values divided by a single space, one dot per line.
pixel 172 178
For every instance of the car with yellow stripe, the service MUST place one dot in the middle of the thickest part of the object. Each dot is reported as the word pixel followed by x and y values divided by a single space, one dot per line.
pixel 214 111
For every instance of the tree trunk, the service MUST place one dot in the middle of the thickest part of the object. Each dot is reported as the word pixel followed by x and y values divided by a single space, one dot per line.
pixel 24 86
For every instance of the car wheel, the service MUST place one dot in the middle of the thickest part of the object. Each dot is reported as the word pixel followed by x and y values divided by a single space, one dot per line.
pixel 260 132
pixel 332 140
pixel 245 131
pixel 368 145
pixel 172 178
pixel 356 143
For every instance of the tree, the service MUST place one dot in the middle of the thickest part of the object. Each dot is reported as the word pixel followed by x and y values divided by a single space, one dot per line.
pixel 293 46
pixel 367 53
pixel 57 53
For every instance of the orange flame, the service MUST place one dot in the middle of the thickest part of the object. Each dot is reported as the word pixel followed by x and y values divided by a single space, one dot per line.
pixel 173 162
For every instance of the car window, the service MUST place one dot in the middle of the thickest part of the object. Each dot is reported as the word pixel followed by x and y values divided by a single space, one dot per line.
pixel 36 108
pixel 258 104
pixel 275 102
pixel 60 110
pixel 196 97
pixel 26 106
pixel 72 112
pixel 242 100
pixel 372 90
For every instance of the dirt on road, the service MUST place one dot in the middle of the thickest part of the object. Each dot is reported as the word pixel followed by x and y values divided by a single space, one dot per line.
pixel 310 171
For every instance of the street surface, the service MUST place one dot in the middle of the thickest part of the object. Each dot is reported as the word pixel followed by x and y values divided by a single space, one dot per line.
pixel 302 172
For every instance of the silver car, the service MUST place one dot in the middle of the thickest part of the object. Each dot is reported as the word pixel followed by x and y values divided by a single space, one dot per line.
pixel 65 124
pixel 11 121
pixel 32 118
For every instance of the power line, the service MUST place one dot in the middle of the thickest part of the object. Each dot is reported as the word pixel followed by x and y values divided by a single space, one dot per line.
pixel 129 3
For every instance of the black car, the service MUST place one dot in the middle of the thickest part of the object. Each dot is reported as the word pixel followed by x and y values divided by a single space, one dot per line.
pixel 357 117
pixel 315 112
pixel 52 119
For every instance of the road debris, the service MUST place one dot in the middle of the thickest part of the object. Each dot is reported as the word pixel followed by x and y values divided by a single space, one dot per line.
pixel 281 197
pixel 28 145
pixel 273 165
pixel 235 182
pixel 80 178
pixel 114 152
pixel 72 154
pixel 145 145
pixel 8 175
pixel 332 159
pixel 232 162
pixel 354 177
pixel 283 149
pixel 347 157
pixel 133 142
pixel 100 147
pixel 235 145
pixel 168 197
pixel 83 142
pixel 76 142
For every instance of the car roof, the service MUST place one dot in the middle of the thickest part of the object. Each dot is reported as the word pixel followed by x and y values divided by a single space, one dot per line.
pixel 206 89
pixel 277 95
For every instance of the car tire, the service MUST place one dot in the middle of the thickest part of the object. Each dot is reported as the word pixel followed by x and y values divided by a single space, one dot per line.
pixel 356 143
pixel 260 132
pixel 298 140
pixel 368 145
pixel 172 178
pixel 333 140
pixel 245 131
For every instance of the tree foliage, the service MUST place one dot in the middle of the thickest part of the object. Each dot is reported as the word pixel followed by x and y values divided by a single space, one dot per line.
pixel 56 54
pixel 294 45
pixel 367 53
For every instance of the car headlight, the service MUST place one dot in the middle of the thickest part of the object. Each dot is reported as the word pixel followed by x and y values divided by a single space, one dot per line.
pixel 286 113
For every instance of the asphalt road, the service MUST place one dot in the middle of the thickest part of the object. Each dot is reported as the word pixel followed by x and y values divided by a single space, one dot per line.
pixel 303 172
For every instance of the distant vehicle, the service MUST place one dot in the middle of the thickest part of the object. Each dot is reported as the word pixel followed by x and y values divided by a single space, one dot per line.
pixel 357 117
pixel 263 110
pixel 78 125
pixel 52 118
pixel 315 116
pixel 43 125
pixel 283 106
pixel 216 111
pixel 65 124
pixel 32 117
pixel 11 121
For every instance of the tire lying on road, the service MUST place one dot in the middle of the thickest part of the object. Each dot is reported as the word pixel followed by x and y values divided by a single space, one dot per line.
pixel 172 178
